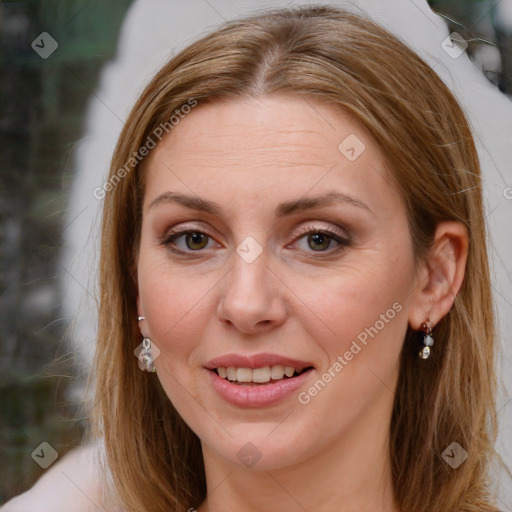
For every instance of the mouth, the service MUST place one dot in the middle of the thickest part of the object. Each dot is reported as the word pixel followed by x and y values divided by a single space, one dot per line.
pixel 258 380
pixel 259 376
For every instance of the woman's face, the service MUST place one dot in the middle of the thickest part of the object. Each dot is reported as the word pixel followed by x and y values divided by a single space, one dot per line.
pixel 300 259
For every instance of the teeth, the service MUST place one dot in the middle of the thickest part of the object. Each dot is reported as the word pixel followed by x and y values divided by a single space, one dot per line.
pixel 277 372
pixel 244 375
pixel 258 375
pixel 289 371
pixel 261 374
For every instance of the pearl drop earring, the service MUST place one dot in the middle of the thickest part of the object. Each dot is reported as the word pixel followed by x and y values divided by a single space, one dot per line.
pixel 428 339
pixel 146 360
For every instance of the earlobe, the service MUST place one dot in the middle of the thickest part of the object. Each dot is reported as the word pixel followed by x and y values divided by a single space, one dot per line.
pixel 445 268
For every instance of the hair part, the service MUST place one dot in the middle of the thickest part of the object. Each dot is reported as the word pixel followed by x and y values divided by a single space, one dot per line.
pixel 352 64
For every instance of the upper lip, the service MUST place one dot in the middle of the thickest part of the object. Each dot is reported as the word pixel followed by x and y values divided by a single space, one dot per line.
pixel 255 361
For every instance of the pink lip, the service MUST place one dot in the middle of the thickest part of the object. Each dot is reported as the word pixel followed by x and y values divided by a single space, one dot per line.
pixel 255 361
pixel 258 395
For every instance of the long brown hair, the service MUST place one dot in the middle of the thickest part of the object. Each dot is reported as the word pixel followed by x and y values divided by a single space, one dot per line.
pixel 357 66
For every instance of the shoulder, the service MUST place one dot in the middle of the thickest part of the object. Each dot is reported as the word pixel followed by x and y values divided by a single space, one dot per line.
pixel 73 483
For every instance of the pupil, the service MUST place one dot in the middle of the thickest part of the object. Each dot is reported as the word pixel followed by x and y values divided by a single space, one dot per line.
pixel 196 239
pixel 318 238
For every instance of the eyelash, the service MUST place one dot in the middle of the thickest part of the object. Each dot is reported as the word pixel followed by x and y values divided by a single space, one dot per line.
pixel 343 242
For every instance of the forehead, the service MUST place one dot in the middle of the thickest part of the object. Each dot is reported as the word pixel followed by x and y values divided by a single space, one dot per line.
pixel 249 149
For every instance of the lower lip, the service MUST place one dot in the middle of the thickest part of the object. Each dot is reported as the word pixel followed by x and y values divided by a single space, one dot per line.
pixel 259 395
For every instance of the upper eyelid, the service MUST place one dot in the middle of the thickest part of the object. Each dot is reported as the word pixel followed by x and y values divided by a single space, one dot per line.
pixel 303 229
pixel 300 233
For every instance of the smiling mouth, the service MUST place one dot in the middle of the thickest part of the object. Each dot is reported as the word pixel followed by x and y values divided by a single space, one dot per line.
pixel 259 376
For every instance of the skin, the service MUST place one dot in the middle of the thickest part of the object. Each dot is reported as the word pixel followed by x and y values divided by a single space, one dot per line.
pixel 300 299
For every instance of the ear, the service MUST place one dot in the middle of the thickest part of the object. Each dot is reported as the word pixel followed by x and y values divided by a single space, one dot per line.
pixel 442 274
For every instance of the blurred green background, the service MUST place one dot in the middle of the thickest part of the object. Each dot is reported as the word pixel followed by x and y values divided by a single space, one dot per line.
pixel 42 105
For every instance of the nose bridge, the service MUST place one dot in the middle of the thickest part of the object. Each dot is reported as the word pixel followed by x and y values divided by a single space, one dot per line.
pixel 249 279
pixel 251 295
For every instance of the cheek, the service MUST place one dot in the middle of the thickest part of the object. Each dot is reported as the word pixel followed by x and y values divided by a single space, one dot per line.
pixel 363 301
pixel 173 301
pixel 363 326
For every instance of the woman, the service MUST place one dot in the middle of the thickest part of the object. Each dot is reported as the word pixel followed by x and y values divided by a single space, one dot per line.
pixel 295 307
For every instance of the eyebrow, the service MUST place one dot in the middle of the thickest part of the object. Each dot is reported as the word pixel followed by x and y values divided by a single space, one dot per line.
pixel 282 210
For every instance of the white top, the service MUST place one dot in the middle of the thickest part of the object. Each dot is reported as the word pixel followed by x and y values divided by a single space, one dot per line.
pixel 72 483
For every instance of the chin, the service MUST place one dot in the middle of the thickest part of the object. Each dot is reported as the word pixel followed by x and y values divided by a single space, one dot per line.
pixel 263 450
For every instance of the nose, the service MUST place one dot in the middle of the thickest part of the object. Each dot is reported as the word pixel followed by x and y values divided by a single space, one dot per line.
pixel 254 297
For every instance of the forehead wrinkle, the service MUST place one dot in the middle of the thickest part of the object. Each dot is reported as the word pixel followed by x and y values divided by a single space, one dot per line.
pixel 256 134
pixel 316 155
pixel 235 163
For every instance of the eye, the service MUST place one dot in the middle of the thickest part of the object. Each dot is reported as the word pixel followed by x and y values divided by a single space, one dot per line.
pixel 194 240
pixel 319 240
